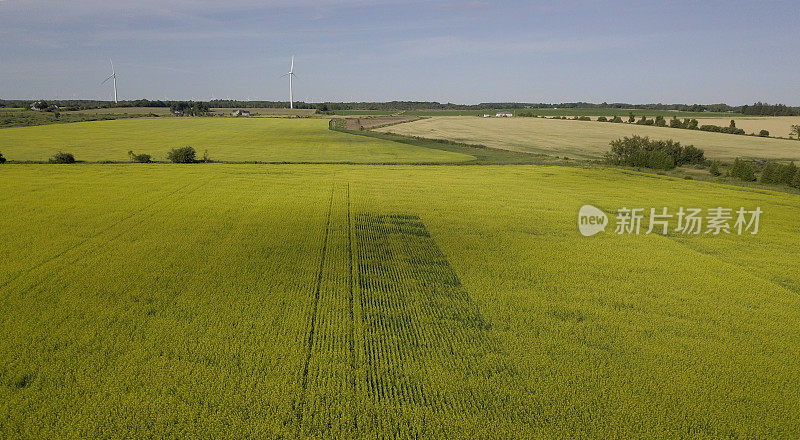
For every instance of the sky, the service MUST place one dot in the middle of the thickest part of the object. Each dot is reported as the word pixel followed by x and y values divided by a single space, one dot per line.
pixel 466 52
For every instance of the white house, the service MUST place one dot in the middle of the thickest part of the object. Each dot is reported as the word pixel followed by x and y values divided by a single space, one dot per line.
pixel 503 115
pixel 240 113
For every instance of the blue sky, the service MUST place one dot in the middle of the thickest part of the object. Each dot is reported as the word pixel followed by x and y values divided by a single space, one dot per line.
pixel 736 52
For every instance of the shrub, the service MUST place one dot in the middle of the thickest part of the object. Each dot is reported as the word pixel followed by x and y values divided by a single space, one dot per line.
pixel 691 155
pixel 763 133
pixel 769 173
pixel 139 158
pixel 714 169
pixel 182 155
pixel 675 123
pixel 785 174
pixel 658 160
pixel 2 159
pixel 602 119
pixel 717 129
pixel 643 152
pixel 795 131
pixel 62 157
pixel 583 118
pixel 644 121
pixel 616 120
pixel 660 121
pixel 742 170
pixel 796 180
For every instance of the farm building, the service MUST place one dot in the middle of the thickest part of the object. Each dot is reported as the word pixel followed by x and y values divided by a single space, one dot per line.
pixel 240 113
pixel 504 115
pixel 42 105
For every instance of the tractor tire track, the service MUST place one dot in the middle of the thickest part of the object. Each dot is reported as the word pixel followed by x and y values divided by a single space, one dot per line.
pixel 312 329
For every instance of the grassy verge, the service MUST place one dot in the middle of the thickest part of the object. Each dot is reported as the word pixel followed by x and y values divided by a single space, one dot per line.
pixel 483 155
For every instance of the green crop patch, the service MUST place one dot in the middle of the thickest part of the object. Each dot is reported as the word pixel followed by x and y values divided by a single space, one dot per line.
pixel 339 301
pixel 388 314
pixel 419 322
pixel 222 139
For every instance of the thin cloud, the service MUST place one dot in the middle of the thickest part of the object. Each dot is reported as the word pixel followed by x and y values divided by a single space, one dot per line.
pixel 461 6
pixel 437 47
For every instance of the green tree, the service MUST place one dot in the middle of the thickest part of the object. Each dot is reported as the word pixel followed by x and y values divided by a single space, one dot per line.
pixel 714 169
pixel 2 159
pixel 139 158
pixel 182 155
pixel 631 118
pixel 768 175
pixel 785 174
pixel 742 170
pixel 763 133
pixel 62 157
pixel 795 131
pixel 637 151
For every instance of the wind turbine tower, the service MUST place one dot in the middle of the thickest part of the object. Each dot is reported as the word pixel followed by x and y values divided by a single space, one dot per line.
pixel 290 74
pixel 114 77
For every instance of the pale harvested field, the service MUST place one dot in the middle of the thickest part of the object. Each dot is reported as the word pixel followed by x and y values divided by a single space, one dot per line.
pixel 588 140
pixel 374 122
pixel 778 126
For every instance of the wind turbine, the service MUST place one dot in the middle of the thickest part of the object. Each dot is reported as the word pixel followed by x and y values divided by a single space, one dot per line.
pixel 114 77
pixel 290 75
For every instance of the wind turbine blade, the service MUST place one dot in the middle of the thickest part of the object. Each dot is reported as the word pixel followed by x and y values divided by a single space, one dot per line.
pixel 106 80
pixel 291 68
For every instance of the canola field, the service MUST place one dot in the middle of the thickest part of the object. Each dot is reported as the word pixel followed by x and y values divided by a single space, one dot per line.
pixel 339 301
pixel 225 140
pixel 590 139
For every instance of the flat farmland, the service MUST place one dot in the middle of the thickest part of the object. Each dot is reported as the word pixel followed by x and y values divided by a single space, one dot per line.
pixel 225 139
pixel 336 301
pixel 586 139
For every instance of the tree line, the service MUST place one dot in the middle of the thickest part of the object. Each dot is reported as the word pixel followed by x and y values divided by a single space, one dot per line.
pixel 758 108
pixel 772 173
pixel 762 109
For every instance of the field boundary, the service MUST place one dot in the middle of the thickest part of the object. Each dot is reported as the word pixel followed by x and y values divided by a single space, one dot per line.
pixel 483 155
